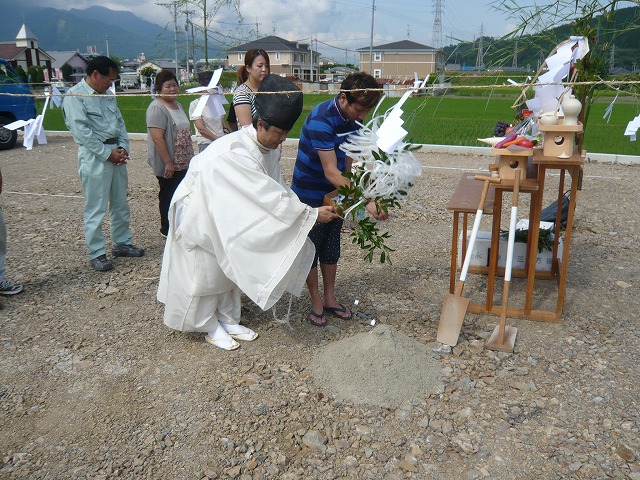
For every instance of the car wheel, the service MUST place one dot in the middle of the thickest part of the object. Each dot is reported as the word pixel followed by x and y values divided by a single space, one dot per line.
pixel 7 137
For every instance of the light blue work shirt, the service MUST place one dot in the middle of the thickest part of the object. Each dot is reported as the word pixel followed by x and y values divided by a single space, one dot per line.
pixel 93 118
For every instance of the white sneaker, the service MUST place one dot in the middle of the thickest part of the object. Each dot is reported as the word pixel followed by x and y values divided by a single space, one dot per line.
pixel 221 339
pixel 239 332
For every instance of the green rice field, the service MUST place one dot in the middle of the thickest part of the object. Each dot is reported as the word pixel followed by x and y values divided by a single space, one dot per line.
pixel 440 120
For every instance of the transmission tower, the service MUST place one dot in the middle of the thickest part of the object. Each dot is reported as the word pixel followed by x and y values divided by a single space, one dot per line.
pixel 479 61
pixel 515 55
pixel 612 57
pixel 437 24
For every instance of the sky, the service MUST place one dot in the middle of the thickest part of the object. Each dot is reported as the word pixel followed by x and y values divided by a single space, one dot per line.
pixel 337 27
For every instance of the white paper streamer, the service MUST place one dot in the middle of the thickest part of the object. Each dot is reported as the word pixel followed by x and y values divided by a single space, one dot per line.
pixel 382 178
pixel 609 110
pixel 33 128
pixel 213 98
pixel 547 93
pixel 632 128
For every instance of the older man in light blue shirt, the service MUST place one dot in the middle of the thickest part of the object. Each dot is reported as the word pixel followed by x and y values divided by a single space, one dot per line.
pixel 98 128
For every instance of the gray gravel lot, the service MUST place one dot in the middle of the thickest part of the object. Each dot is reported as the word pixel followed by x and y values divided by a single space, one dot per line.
pixel 95 387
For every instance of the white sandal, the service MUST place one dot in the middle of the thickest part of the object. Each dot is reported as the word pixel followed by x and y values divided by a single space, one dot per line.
pixel 221 339
pixel 239 332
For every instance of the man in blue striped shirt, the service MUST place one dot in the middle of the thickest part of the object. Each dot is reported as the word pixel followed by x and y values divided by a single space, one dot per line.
pixel 318 171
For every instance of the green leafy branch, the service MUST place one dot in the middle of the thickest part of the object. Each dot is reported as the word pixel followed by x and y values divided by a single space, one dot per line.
pixel 545 238
pixel 365 231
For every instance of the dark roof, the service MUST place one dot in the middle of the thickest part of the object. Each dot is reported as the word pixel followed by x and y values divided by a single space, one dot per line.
pixel 272 44
pixel 164 64
pixel 401 45
pixel 9 51
pixel 63 56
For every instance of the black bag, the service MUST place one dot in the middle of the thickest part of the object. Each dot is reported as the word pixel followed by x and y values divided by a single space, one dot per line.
pixel 548 214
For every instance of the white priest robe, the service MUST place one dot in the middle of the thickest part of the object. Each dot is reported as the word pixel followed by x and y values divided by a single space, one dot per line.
pixel 234 225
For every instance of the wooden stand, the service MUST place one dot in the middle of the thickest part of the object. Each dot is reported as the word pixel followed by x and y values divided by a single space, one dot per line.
pixel 465 201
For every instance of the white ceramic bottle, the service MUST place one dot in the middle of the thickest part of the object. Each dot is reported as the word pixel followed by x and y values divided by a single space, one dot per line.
pixel 571 107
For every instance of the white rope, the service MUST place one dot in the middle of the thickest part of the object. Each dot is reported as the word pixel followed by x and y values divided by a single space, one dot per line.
pixel 286 320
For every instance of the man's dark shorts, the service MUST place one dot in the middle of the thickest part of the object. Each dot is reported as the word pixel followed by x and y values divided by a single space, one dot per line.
pixel 326 238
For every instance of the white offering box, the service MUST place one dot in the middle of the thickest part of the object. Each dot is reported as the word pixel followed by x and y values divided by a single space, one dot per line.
pixel 481 250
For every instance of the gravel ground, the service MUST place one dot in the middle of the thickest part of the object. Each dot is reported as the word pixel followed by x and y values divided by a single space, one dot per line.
pixel 94 386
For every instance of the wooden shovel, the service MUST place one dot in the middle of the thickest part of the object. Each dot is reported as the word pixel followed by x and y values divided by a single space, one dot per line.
pixel 503 338
pixel 454 306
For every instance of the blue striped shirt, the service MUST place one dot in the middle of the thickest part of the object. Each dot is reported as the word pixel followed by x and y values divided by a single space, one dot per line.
pixel 322 131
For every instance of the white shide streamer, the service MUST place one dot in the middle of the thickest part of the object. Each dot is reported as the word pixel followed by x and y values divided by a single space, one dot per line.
pixel 390 178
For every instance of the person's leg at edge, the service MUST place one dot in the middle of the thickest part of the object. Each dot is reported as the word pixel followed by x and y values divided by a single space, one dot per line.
pixel 313 286
pixel 329 272
pixel 167 189
pixel 119 211
pixel 228 313
pixel 316 315
pixel 96 181
pixel 201 314
pixel 163 205
pixel 329 255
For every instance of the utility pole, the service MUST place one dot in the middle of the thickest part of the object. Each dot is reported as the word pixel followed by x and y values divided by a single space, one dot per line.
pixel 175 31
pixel 373 10
pixel 193 50
pixel 515 55
pixel 186 29
pixel 311 59
pixel 106 38
pixel 175 37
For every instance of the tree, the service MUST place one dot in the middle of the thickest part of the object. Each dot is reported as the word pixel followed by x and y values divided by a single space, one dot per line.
pixel 67 70
pixel 207 13
pixel 35 74
pixel 147 73
pixel 23 75
pixel 594 19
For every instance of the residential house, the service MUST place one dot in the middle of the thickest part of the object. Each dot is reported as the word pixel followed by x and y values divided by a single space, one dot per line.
pixel 401 60
pixel 158 65
pixel 336 74
pixel 290 59
pixel 24 52
pixel 74 60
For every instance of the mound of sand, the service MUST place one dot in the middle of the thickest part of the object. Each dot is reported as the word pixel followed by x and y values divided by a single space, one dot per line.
pixel 381 367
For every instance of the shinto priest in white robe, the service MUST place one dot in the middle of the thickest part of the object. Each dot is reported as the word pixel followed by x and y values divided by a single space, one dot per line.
pixel 234 226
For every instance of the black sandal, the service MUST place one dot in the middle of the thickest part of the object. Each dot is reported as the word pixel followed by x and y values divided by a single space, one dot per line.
pixel 318 323
pixel 336 311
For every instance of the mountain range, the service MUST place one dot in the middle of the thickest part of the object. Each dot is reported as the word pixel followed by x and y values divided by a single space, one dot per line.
pixel 122 33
